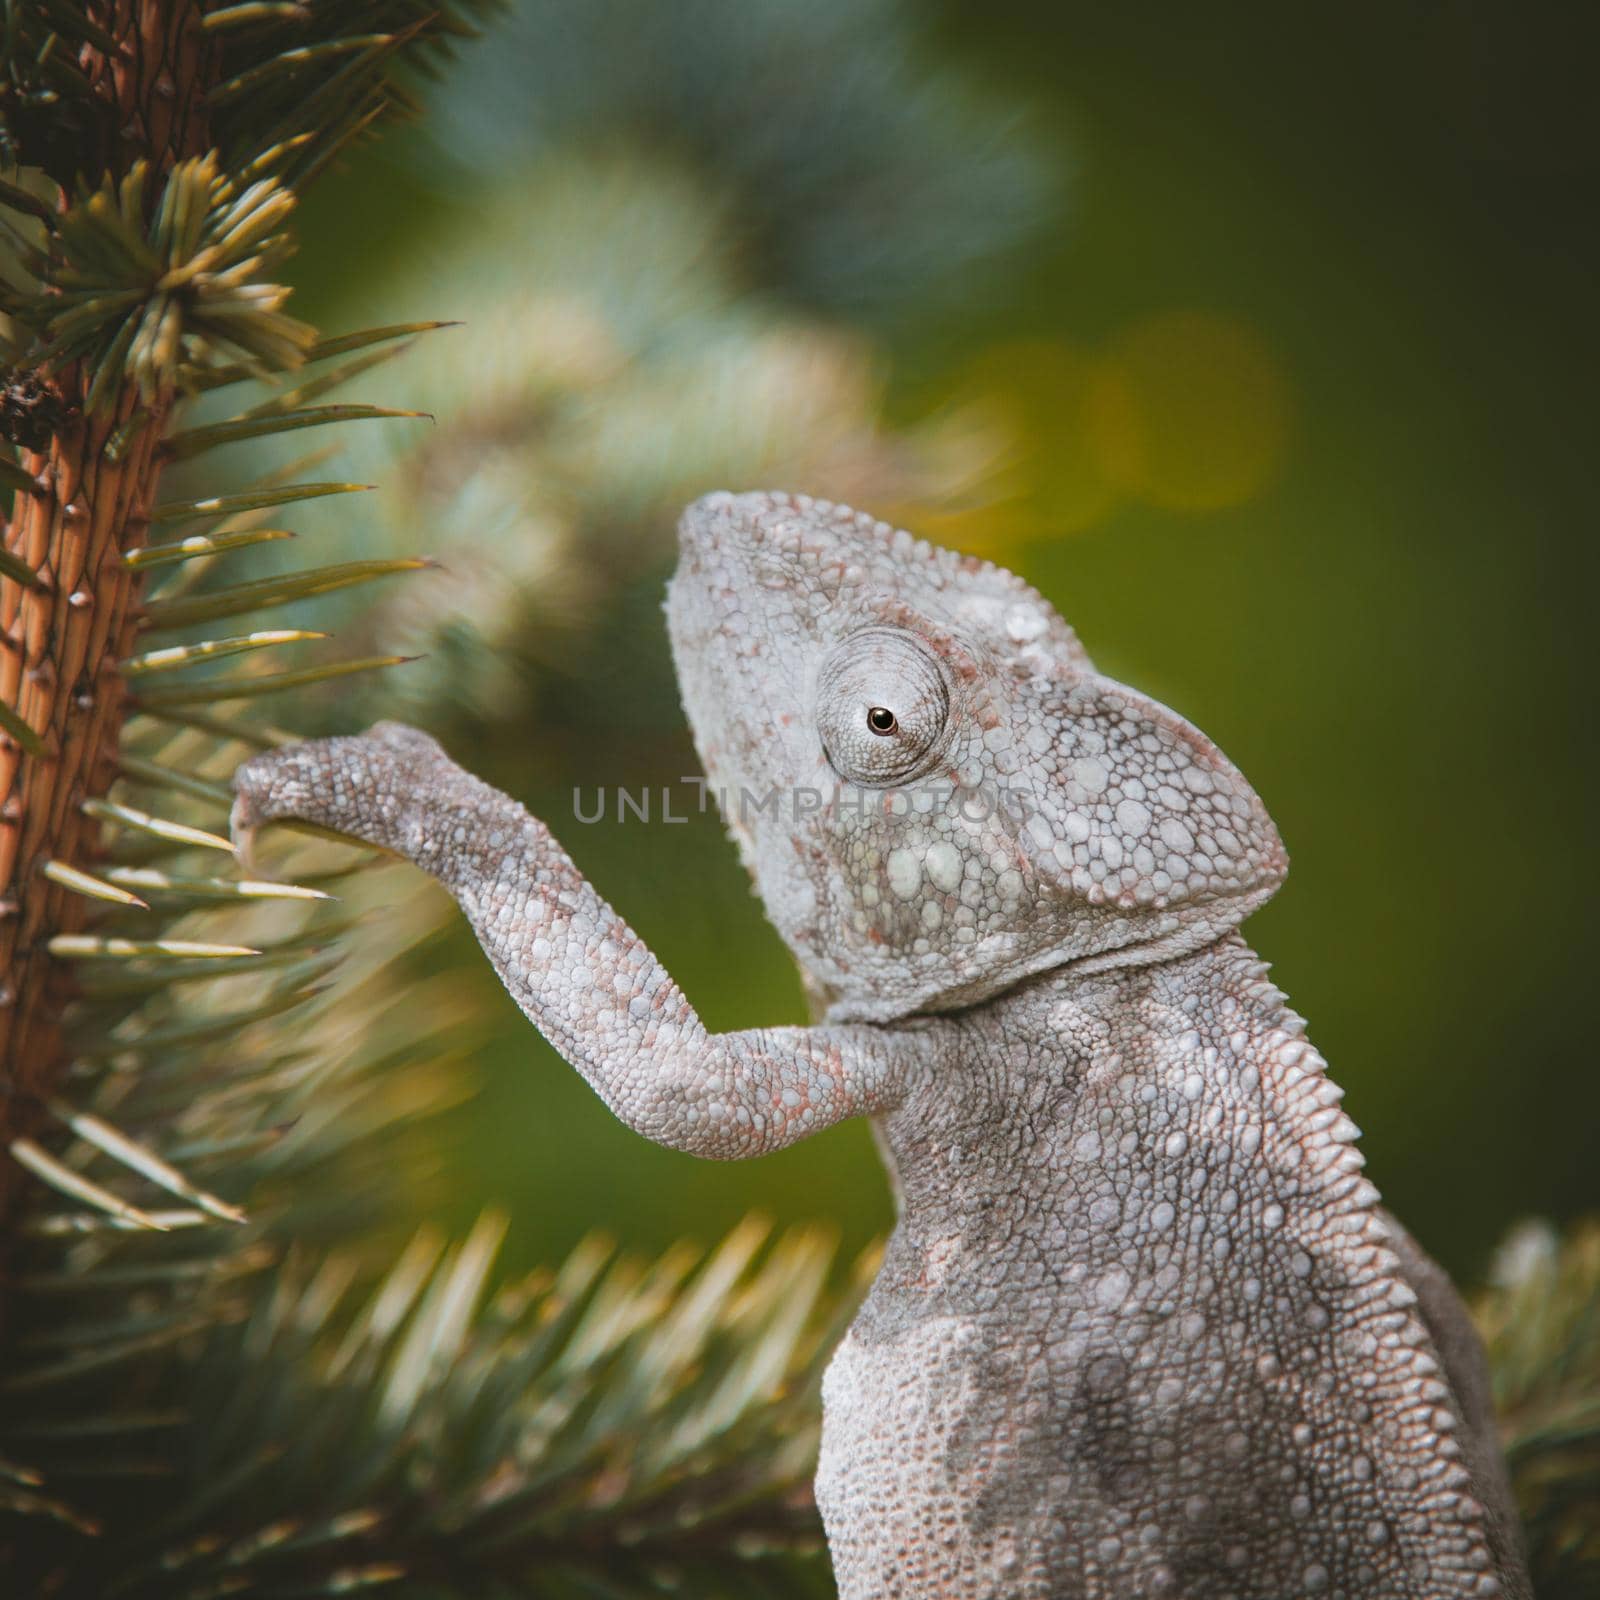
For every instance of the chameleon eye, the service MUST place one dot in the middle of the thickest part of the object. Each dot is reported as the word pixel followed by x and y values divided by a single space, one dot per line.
pixel 882 706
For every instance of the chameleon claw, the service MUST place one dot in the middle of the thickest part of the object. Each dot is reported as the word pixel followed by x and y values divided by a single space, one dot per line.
pixel 243 823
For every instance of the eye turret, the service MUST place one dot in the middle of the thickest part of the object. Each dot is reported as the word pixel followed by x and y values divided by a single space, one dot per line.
pixel 883 707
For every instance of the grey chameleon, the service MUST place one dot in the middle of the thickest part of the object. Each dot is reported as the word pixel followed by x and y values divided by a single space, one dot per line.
pixel 1142 1328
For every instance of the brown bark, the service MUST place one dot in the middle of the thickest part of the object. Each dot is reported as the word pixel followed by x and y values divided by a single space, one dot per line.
pixel 60 645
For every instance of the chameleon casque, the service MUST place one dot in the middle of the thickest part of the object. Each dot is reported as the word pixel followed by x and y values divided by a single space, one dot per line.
pixel 1142 1328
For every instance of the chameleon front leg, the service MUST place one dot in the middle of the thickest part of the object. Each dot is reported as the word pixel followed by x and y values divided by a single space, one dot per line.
pixel 579 973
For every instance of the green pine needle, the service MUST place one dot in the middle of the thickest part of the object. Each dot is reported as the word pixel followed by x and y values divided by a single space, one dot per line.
pixel 76 24
pixel 99 1133
pixel 18 571
pixel 137 770
pixel 19 199
pixel 184 655
pixel 254 12
pixel 198 545
pixel 1541 1323
pixel 61 1177
pixel 13 727
pixel 194 441
pixel 163 1042
pixel 256 735
pixel 63 1224
pixel 323 350
pixel 290 64
pixel 87 947
pixel 188 888
pixel 229 505
pixel 262 593
pixel 239 688
pixel 80 882
pixel 126 816
pixel 345 343
pixel 16 478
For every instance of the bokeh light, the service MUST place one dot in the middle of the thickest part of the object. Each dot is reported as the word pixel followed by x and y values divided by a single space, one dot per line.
pixel 1188 410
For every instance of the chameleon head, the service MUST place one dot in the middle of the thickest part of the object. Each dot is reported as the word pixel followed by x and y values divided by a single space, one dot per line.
pixel 935 792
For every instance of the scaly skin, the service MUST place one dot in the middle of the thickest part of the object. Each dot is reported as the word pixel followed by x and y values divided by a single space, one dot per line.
pixel 1141 1328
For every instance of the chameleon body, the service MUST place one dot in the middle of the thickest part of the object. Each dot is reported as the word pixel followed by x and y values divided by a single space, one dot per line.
pixel 1142 1328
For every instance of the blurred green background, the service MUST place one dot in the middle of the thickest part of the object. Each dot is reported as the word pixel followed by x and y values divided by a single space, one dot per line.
pixel 1261 339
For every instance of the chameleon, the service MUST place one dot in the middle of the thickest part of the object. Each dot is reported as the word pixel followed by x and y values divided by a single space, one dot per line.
pixel 1142 1327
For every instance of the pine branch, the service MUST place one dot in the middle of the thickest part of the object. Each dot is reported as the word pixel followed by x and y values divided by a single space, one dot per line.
pixel 198 1399
pixel 607 1428
pixel 1541 1323
pixel 150 252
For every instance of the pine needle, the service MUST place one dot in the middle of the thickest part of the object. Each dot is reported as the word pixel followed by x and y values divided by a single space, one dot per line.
pixel 167 883
pixel 252 13
pixel 93 1130
pixel 63 1223
pixel 184 655
pixel 83 883
pixel 125 816
pixel 214 690
pixel 198 545
pixel 13 727
pixel 26 1504
pixel 288 62
pixel 258 736
pixel 344 343
pixel 18 570
pixel 137 770
pixel 195 441
pixel 43 1165
pixel 87 947
pixel 262 593
pixel 1541 1323
pixel 227 505
pixel 434 1341
pixel 17 478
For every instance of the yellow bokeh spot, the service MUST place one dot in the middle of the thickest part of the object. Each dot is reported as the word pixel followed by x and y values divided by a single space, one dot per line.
pixel 1188 410
pixel 1043 392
